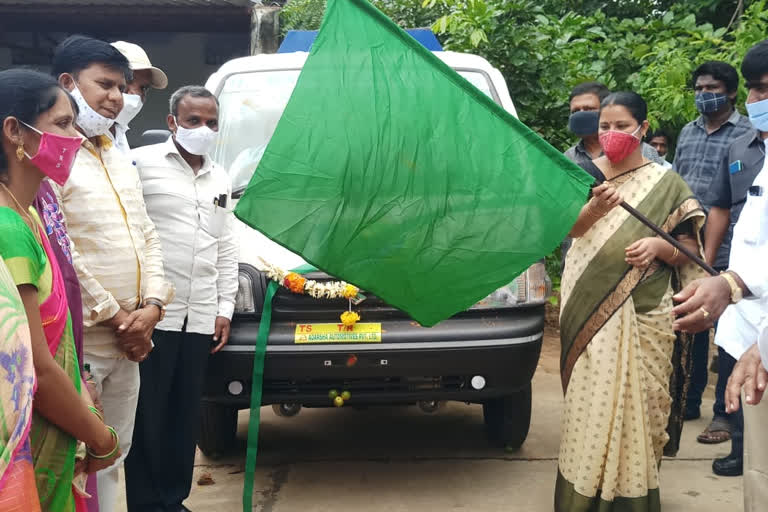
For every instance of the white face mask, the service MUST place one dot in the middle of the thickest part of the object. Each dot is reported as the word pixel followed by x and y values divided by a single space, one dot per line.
pixel 198 141
pixel 91 122
pixel 131 107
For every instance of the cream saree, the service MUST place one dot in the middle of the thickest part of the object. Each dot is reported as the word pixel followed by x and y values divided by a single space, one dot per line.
pixel 622 370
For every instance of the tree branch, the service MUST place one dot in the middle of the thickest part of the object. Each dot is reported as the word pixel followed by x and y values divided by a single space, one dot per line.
pixel 736 14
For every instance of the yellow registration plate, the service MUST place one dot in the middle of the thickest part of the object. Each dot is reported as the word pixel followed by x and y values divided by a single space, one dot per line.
pixel 338 333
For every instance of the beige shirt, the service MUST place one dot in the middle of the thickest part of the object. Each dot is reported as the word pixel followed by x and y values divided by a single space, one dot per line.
pixel 115 248
pixel 200 250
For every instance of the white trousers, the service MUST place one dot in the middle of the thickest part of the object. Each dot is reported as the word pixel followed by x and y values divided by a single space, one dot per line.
pixel 117 381
pixel 756 456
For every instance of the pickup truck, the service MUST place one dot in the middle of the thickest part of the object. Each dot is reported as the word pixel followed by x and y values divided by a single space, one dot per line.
pixel 486 355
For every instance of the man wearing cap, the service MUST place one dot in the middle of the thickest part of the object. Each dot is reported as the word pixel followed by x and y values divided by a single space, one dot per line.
pixel 145 76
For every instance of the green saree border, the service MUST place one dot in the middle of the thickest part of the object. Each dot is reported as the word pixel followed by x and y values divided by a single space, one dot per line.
pixel 567 499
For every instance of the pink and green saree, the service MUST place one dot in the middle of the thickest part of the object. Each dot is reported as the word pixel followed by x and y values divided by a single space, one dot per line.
pixel 17 386
pixel 53 450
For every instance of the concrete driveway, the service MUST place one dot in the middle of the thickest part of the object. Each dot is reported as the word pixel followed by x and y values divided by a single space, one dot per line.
pixel 400 459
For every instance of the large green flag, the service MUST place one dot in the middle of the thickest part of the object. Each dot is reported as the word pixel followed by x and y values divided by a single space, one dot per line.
pixel 390 171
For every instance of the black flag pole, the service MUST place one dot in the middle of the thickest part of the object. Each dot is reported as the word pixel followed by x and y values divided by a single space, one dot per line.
pixel 669 238
pixel 656 229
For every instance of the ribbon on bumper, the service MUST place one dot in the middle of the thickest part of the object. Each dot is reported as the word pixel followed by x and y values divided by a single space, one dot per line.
pixel 257 380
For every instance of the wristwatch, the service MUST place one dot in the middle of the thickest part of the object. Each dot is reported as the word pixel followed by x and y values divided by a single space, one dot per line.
pixel 736 292
pixel 158 303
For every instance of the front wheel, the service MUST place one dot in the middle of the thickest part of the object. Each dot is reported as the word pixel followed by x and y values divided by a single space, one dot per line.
pixel 508 418
pixel 218 428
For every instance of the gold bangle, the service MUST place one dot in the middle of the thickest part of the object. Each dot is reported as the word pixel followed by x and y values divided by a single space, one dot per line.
pixel 111 453
pixel 96 412
pixel 675 253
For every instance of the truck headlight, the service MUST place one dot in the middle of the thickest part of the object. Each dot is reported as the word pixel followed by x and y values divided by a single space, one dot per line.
pixel 532 287
pixel 244 301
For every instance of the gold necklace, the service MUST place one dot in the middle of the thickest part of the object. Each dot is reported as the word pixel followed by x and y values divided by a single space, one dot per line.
pixel 22 211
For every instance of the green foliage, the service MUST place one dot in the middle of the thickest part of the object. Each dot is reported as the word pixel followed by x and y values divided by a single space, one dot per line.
pixel 543 56
pixel 308 14
pixel 553 263
pixel 545 47
pixel 301 15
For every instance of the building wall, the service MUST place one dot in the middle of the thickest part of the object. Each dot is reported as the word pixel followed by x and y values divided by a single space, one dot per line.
pixel 187 59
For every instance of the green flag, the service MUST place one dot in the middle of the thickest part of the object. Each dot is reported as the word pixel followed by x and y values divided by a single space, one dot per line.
pixel 390 171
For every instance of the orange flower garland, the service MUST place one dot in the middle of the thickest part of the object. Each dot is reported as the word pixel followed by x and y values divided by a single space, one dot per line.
pixel 329 290
pixel 295 283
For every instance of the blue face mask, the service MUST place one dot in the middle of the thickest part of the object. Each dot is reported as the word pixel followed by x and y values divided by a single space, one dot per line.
pixel 584 123
pixel 709 102
pixel 758 114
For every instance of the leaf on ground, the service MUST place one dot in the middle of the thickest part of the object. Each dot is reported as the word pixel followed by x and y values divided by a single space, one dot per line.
pixel 206 479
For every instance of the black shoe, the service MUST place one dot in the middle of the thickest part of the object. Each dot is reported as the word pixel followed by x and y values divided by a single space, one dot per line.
pixel 732 465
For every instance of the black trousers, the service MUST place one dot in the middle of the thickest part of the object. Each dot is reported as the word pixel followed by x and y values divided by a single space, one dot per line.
pixel 700 370
pixel 158 469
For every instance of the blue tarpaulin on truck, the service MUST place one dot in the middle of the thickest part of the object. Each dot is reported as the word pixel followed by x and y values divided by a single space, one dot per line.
pixel 301 40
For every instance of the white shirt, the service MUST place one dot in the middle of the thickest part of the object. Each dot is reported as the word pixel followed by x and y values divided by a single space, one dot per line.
pixel 666 164
pixel 119 139
pixel 200 251
pixel 746 323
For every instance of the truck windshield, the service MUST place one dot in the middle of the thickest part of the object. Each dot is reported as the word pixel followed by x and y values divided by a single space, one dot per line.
pixel 250 107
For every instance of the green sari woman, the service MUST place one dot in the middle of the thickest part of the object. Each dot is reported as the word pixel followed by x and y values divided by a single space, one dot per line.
pixel 622 365
pixel 53 450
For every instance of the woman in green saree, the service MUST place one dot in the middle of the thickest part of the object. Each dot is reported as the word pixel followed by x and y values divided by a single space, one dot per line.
pixel 38 139
pixel 620 360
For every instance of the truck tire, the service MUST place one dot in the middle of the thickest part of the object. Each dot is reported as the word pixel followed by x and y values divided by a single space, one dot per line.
pixel 508 418
pixel 218 427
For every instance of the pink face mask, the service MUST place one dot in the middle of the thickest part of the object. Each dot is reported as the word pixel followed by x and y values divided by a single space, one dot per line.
pixel 55 155
pixel 618 145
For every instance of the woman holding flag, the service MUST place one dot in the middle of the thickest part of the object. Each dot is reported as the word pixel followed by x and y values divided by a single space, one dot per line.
pixel 621 367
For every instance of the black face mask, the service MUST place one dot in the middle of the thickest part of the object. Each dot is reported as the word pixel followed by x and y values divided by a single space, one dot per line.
pixel 584 123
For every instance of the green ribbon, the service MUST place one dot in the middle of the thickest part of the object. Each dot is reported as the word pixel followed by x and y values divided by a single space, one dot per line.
pixel 256 388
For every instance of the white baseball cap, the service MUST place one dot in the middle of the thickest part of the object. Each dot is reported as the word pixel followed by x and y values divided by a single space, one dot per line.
pixel 138 60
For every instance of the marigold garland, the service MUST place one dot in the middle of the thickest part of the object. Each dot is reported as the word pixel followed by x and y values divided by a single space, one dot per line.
pixel 349 318
pixel 303 286
pixel 295 282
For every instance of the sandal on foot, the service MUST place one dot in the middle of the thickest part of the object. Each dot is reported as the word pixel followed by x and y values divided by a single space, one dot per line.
pixel 719 431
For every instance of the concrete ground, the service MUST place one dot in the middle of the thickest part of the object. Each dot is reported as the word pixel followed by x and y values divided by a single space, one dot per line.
pixel 400 459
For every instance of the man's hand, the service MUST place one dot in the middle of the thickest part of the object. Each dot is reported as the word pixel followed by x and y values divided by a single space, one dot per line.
pixel 116 321
pixel 702 302
pixel 135 334
pixel 221 333
pixel 750 374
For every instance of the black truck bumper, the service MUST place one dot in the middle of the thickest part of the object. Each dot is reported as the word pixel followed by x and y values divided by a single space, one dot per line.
pixel 431 365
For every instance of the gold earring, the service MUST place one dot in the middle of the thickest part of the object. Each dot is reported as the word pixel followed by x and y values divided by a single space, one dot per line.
pixel 20 153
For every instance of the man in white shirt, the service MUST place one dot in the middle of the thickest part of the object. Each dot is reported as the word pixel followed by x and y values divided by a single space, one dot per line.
pixel 145 76
pixel 744 325
pixel 188 197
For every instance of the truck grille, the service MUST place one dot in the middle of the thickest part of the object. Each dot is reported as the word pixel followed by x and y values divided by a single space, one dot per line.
pixel 321 387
